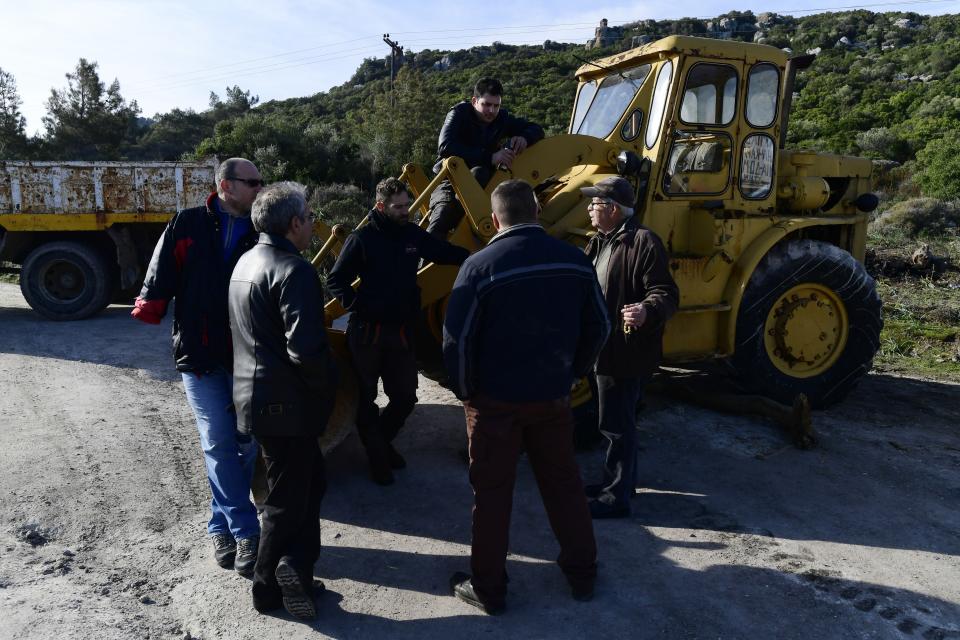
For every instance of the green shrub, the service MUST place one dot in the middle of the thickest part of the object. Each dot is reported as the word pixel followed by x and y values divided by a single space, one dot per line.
pixel 919 217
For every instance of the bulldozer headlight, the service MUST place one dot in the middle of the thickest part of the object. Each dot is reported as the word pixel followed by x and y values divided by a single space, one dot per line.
pixel 628 163
pixel 866 202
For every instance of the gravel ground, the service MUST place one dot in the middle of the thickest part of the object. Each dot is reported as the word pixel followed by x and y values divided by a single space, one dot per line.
pixel 735 534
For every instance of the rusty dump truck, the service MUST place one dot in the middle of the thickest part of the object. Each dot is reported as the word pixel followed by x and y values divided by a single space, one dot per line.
pixel 83 232
pixel 765 243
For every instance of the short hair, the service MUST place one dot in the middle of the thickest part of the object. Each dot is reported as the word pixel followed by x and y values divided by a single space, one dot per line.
pixel 487 85
pixel 277 205
pixel 389 187
pixel 514 202
pixel 228 169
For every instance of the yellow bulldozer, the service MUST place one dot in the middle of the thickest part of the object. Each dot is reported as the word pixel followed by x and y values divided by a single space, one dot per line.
pixel 765 243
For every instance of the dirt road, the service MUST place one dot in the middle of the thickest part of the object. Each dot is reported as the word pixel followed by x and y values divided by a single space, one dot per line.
pixel 734 535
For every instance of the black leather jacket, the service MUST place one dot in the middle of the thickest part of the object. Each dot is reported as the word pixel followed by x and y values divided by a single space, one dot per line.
pixel 465 136
pixel 284 379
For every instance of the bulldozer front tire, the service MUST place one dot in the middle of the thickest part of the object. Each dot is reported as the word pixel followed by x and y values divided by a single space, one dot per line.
pixel 809 322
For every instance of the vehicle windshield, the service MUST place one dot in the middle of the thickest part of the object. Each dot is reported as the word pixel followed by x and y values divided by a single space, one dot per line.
pixel 600 104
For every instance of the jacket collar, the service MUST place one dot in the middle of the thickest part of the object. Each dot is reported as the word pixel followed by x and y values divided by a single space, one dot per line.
pixel 518 229
pixel 279 242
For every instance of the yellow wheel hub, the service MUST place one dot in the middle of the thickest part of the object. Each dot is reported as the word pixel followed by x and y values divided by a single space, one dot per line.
pixel 806 330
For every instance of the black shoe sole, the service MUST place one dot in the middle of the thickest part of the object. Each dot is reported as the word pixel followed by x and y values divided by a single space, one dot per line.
pixel 295 600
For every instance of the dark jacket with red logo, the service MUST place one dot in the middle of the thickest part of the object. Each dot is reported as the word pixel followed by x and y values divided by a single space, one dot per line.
pixel 386 256
pixel 188 264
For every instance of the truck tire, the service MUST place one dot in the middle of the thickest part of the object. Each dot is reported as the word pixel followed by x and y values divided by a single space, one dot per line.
pixel 809 322
pixel 66 281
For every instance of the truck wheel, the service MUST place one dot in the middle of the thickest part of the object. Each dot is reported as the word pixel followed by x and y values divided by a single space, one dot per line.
pixel 809 323
pixel 65 281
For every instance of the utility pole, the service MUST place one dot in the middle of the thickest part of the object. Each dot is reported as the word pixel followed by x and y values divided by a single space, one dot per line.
pixel 395 51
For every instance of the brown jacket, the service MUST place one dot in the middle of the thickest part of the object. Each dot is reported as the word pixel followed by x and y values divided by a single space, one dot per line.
pixel 638 271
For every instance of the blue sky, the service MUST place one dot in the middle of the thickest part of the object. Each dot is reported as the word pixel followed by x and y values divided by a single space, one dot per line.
pixel 172 53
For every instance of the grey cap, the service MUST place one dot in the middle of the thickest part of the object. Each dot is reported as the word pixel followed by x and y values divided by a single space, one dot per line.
pixel 615 188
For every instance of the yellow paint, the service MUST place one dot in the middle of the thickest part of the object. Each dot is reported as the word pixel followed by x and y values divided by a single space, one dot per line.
pixel 75 221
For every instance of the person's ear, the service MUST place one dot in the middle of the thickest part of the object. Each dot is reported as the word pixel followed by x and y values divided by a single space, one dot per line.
pixel 379 206
pixel 496 220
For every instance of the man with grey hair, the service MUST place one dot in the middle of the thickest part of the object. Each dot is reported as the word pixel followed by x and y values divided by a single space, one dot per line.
pixel 283 390
pixel 192 264
pixel 640 295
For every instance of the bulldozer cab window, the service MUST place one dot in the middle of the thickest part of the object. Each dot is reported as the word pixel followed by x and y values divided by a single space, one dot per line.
pixel 603 105
pixel 763 87
pixel 631 128
pixel 658 104
pixel 698 163
pixel 756 166
pixel 710 95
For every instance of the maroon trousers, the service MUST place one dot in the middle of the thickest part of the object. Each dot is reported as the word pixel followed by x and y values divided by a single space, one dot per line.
pixel 496 432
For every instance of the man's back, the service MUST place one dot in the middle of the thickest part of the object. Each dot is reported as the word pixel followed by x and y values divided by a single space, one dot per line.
pixel 525 318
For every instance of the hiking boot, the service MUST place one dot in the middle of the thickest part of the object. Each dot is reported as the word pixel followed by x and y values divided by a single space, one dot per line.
pixel 246 555
pixel 462 588
pixel 224 549
pixel 396 460
pixel 297 600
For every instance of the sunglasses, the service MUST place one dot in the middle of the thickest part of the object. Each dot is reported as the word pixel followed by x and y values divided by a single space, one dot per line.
pixel 250 182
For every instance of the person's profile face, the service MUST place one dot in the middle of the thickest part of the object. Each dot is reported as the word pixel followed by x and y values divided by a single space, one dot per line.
pixel 487 107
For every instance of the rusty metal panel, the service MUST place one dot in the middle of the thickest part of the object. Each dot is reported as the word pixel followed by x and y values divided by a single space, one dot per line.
pixel 103 187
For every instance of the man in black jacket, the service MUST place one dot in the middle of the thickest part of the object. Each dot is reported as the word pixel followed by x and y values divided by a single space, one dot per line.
pixel 525 319
pixel 283 390
pixel 385 253
pixel 476 130
pixel 192 264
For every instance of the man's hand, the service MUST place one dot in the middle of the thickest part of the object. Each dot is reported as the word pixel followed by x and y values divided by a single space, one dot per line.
pixel 503 157
pixel 634 315
pixel 518 144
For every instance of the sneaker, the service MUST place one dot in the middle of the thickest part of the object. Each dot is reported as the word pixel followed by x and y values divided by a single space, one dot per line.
pixel 296 600
pixel 246 555
pixel 462 588
pixel 396 460
pixel 224 549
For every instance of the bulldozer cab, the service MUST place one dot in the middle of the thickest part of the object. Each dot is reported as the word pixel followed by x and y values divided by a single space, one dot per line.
pixel 700 112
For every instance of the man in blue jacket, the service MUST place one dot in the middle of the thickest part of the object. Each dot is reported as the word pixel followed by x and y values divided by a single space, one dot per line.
pixel 192 264
pixel 486 137
pixel 526 318
pixel 385 254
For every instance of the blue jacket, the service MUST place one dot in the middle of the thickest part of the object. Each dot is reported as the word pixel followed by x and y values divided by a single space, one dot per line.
pixel 526 318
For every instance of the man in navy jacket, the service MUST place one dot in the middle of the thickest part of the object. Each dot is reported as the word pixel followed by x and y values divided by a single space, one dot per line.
pixel 526 318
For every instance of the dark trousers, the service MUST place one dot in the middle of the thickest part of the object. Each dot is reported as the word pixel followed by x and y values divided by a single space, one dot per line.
pixel 382 351
pixel 446 212
pixel 496 432
pixel 296 483
pixel 618 398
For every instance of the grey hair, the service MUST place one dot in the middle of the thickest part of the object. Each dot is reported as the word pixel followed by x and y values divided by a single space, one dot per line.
pixel 228 169
pixel 277 205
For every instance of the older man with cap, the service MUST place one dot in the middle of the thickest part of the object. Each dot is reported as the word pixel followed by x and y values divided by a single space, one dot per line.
pixel 640 294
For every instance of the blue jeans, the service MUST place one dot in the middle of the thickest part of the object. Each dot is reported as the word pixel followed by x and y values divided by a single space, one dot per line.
pixel 228 455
